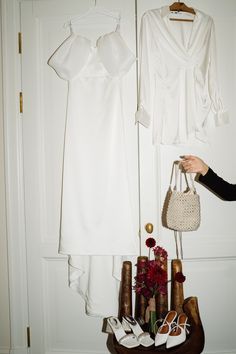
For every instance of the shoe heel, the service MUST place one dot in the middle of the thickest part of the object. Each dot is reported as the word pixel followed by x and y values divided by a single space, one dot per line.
pixel 178 333
pixel 108 328
pixel 164 330
pixel 126 326
pixel 127 340
pixel 142 337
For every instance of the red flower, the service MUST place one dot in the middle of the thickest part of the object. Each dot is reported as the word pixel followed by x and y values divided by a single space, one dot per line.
pixel 150 242
pixel 140 277
pixel 146 293
pixel 179 277
pixel 142 264
pixel 156 275
pixel 163 289
pixel 160 252
pixel 152 278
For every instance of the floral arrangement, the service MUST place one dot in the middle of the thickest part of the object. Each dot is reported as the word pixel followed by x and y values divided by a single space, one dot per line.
pixel 151 282
pixel 151 277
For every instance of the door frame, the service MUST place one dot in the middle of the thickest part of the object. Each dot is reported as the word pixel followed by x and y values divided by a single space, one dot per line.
pixel 15 215
pixel 14 172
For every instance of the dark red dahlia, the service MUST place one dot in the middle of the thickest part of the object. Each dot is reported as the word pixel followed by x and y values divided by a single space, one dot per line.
pixel 179 277
pixel 160 252
pixel 150 242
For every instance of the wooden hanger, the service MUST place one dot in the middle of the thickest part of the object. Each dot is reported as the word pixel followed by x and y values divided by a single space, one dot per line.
pixel 181 7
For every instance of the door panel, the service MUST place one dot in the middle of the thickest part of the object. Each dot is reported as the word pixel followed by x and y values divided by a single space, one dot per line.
pixel 156 162
pixel 209 253
pixel 57 314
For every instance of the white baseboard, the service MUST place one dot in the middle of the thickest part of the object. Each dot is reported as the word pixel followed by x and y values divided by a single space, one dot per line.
pixel 24 351
pixel 107 352
pixel 4 350
pixel 220 352
pixel 18 351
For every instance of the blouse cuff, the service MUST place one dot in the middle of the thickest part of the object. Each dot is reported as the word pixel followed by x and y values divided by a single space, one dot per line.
pixel 221 118
pixel 142 117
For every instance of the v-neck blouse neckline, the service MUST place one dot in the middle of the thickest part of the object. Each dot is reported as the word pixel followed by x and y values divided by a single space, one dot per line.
pixel 182 51
pixel 165 16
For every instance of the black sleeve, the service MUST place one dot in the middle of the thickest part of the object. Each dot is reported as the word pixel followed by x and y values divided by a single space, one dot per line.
pixel 218 185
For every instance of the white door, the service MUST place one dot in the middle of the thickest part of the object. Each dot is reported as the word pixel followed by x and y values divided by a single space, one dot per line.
pixel 57 317
pixel 56 314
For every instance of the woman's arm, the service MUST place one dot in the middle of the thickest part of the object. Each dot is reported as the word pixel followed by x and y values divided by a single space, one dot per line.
pixel 209 178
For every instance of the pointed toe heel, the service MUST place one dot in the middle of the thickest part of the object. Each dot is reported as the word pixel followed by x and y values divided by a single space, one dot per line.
pixel 177 335
pixel 165 328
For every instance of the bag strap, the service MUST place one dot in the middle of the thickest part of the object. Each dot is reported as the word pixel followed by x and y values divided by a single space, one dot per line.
pixel 176 233
pixel 176 168
pixel 191 180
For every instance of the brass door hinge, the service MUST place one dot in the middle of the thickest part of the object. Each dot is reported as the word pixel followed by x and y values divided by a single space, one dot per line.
pixel 20 42
pixel 28 337
pixel 21 102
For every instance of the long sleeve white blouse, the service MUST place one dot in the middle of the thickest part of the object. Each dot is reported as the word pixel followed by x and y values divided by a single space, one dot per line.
pixel 178 78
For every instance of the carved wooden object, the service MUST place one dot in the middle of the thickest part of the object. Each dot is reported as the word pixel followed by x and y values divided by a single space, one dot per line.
pixel 126 290
pixel 193 345
pixel 177 289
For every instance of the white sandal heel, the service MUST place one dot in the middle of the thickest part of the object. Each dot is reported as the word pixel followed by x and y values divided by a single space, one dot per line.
pixel 142 337
pixel 127 340
pixel 178 333
pixel 165 328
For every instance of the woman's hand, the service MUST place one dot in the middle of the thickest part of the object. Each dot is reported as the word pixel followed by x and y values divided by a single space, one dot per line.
pixel 194 164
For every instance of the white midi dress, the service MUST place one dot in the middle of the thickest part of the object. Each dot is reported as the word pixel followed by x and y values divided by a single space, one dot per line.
pixel 178 85
pixel 97 223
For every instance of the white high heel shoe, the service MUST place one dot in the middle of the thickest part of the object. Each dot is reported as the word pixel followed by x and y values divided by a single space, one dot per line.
pixel 165 328
pixel 127 340
pixel 142 337
pixel 178 333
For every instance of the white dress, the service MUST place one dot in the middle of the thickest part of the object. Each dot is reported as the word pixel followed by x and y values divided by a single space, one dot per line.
pixel 178 80
pixel 96 216
pixel 97 226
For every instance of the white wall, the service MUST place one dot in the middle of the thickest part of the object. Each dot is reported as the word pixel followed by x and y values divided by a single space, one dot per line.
pixel 4 294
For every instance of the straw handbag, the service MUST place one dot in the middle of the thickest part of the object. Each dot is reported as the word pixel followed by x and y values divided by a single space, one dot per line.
pixel 181 211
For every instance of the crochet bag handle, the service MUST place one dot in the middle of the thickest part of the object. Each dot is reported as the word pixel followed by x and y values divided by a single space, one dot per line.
pixel 178 170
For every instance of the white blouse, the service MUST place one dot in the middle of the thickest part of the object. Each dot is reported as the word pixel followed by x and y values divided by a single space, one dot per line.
pixel 178 79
